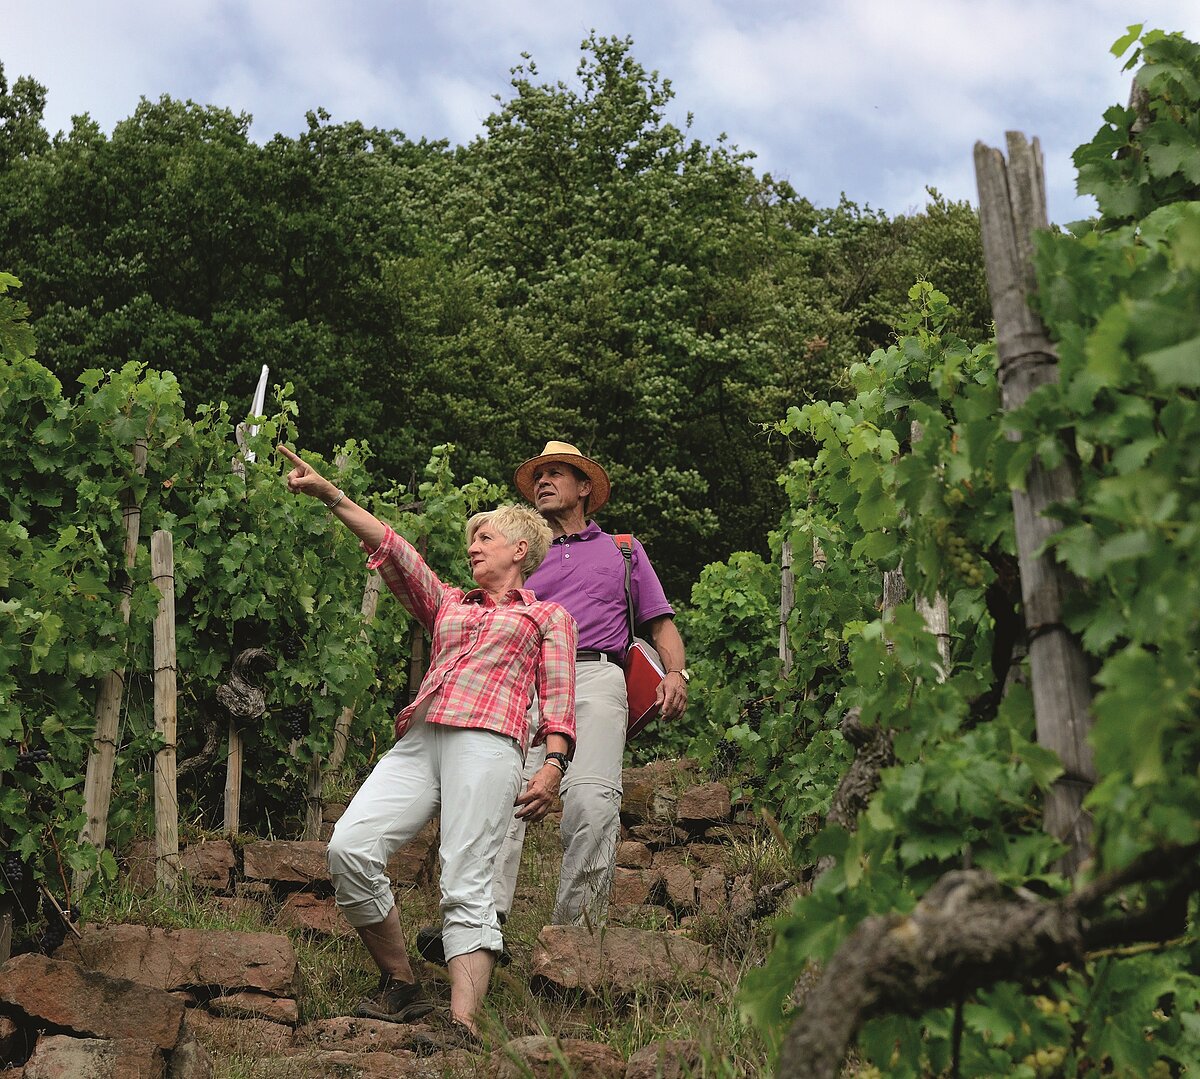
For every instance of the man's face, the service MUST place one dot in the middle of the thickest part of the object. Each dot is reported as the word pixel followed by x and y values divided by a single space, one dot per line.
pixel 558 489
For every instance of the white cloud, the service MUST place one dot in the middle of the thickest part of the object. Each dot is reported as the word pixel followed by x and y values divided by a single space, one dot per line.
pixel 875 97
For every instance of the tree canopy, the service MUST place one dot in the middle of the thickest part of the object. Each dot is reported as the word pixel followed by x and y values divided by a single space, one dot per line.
pixel 584 270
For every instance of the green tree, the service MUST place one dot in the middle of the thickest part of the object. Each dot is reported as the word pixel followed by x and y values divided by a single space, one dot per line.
pixel 22 108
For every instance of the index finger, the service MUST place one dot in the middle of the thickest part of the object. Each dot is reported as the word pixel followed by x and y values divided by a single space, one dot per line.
pixel 289 455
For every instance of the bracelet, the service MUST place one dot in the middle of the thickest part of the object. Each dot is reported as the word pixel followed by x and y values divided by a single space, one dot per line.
pixel 334 504
pixel 559 760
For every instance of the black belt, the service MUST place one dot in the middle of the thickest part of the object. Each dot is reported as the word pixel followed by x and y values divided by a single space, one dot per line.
pixel 588 655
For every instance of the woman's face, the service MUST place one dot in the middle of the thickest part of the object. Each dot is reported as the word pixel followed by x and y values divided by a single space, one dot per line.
pixel 493 558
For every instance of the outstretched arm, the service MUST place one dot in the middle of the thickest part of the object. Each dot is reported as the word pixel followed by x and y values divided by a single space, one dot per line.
pixel 303 479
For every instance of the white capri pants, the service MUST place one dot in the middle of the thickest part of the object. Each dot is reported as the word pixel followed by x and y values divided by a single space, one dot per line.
pixel 473 775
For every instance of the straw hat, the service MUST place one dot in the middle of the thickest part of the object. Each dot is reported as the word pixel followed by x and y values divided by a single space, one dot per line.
pixel 564 453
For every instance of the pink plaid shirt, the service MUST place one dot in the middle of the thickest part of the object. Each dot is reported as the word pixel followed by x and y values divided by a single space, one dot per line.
pixel 485 658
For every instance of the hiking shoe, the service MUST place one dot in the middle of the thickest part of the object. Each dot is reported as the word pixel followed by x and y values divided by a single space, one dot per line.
pixel 429 947
pixel 395 1002
pixel 445 1035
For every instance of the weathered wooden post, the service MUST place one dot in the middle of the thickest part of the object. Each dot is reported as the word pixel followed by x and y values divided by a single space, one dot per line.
pixel 166 805
pixel 312 794
pixel 243 698
pixel 787 600
pixel 935 613
pixel 1012 205
pixel 97 785
pixel 236 751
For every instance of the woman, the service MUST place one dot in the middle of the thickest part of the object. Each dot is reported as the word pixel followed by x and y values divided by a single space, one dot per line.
pixel 460 745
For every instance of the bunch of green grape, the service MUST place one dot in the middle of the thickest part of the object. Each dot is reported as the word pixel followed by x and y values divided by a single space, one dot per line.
pixel 961 559
pixel 1046 1062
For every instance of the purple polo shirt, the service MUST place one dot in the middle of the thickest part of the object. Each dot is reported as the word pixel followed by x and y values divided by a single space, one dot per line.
pixel 585 572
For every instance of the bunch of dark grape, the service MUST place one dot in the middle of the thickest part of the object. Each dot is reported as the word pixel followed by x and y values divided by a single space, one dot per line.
pixel 295 719
pixel 843 660
pixel 754 711
pixel 13 870
pixel 27 762
pixel 292 647
pixel 56 928
pixel 296 801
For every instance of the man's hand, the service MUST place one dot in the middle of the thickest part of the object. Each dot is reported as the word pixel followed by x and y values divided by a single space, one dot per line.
pixel 672 695
pixel 538 798
pixel 303 479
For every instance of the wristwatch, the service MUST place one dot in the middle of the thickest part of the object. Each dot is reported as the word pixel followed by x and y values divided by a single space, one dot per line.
pixel 560 759
pixel 684 672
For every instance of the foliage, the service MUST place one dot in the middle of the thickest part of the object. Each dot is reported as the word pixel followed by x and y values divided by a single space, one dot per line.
pixel 254 566
pixel 914 472
pixel 583 270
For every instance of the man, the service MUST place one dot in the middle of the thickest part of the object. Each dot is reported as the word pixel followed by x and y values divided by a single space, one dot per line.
pixel 584 571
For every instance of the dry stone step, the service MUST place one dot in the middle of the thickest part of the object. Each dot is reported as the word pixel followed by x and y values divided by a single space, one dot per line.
pixel 303 862
pixel 59 1056
pixel 541 1058
pixel 312 914
pixel 713 893
pixel 666 1060
pixel 208 865
pixel 632 887
pixel 708 803
pixel 183 958
pixel 401 1064
pixel 679 887
pixel 658 834
pixel 228 1037
pixel 575 957
pixel 353 1035
pixel 633 855
pixel 284 861
pixel 282 1010
pixel 89 1002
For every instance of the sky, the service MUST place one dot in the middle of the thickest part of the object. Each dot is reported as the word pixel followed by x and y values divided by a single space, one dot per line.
pixel 876 99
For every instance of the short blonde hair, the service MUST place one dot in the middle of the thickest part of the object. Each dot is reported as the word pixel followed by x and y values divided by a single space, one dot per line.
pixel 516 523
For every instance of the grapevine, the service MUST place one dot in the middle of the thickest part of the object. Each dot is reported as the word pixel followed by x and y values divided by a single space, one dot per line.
pixel 254 568
pixel 1120 295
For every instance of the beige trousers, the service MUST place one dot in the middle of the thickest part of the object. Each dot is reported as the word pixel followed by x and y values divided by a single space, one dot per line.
pixel 591 798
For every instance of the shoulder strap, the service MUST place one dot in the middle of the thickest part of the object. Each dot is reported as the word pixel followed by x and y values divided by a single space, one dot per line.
pixel 624 543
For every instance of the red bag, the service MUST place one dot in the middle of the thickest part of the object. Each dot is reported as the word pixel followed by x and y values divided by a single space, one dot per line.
pixel 643 667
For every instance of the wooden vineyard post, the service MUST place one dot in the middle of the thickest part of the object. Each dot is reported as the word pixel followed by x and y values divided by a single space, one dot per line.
pixel 1012 205
pixel 233 779
pixel 97 786
pixel 244 699
pixel 312 792
pixel 235 751
pixel 787 600
pixel 935 613
pixel 166 806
